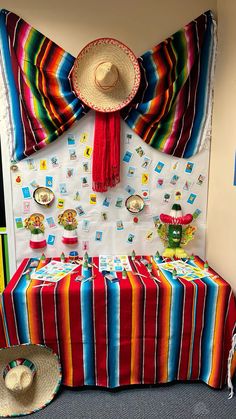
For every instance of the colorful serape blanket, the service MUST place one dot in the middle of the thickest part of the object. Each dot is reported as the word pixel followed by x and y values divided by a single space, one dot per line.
pixel 147 328
pixel 35 76
pixel 171 112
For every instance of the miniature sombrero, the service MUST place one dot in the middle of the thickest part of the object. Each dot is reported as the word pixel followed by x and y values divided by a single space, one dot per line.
pixel 176 216
pixel 106 75
pixel 30 376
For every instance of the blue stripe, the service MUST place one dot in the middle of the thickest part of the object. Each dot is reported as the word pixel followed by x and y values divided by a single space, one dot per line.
pixel 86 296
pixel 176 308
pixel 13 94
pixel 113 314
pixel 4 318
pixel 208 331
pixel 203 91
pixel 20 306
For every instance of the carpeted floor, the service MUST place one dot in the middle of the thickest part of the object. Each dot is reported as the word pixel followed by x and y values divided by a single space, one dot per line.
pixel 170 401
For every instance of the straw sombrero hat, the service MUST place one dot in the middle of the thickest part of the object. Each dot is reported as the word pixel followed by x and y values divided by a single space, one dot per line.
pixel 106 75
pixel 30 376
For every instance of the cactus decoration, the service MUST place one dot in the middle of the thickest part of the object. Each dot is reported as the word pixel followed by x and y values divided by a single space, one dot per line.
pixel 173 234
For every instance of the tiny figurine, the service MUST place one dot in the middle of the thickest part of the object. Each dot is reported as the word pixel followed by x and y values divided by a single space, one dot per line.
pixel 172 233
pixel 149 267
pixel 43 257
pixel 124 274
pixel 206 266
pixel 133 255
pixel 35 224
pixel 85 264
pixel 174 274
pixel 86 256
pixel 158 256
pixel 68 220
pixel 62 257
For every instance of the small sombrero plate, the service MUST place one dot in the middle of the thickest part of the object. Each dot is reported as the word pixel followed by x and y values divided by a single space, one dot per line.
pixel 43 196
pixel 134 204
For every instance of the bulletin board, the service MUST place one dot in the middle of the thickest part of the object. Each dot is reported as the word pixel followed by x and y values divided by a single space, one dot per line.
pixel 104 224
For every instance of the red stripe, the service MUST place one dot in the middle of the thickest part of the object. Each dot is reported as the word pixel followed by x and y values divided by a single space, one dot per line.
pixel 9 305
pixel 187 324
pixel 150 324
pixel 199 324
pixel 125 329
pixel 38 245
pixel 76 329
pixel 100 326
pixel 49 317
pixel 68 240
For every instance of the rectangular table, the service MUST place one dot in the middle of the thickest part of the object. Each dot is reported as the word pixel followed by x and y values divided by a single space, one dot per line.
pixel 138 330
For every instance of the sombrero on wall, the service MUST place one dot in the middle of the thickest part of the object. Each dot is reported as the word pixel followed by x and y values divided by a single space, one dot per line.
pixel 106 75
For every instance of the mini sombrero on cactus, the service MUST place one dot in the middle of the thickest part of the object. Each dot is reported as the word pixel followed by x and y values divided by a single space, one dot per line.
pixel 176 216
pixel 172 233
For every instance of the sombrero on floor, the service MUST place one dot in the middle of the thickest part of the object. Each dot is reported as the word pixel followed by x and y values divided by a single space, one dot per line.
pixel 30 376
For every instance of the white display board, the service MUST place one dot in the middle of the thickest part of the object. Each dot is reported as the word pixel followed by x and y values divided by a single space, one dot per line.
pixel 178 181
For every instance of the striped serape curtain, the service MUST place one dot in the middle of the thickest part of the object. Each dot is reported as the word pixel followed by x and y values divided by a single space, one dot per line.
pixel 172 110
pixel 35 74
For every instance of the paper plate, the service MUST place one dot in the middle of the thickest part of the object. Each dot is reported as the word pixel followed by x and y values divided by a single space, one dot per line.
pixel 43 196
pixel 134 204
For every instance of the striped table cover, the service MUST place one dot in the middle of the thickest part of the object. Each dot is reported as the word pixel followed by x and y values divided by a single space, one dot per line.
pixel 132 331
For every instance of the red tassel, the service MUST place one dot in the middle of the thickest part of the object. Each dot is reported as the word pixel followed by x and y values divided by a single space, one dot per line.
pixel 106 152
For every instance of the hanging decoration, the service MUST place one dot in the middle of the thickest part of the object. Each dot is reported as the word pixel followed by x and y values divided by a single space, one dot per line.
pixel 171 110
pixel 134 204
pixel 43 196
pixel 172 233
pixel 35 224
pixel 68 220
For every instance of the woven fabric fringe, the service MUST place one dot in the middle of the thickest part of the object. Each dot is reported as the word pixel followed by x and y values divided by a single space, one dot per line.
pixel 231 366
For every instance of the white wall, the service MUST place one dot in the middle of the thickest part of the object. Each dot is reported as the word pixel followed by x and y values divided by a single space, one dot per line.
pixel 139 24
pixel 221 231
